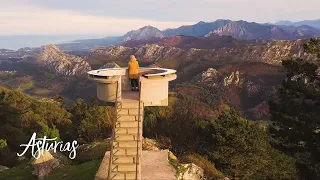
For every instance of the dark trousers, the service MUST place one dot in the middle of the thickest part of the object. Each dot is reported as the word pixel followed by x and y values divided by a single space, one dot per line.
pixel 134 83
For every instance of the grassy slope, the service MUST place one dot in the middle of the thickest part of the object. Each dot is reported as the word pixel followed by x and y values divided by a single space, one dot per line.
pixel 22 172
pixel 84 171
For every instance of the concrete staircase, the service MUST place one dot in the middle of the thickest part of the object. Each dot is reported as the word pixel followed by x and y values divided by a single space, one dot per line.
pixel 127 144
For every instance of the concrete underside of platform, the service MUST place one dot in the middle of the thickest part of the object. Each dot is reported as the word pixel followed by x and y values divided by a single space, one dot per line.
pixel 155 166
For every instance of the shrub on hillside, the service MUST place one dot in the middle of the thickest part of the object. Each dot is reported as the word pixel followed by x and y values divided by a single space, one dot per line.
pixel 7 158
pixel 241 149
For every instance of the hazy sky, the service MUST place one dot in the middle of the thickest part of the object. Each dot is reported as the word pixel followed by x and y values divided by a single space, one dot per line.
pixel 115 17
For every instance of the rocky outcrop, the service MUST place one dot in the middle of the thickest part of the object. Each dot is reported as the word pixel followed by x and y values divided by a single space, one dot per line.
pixel 214 78
pixel 190 172
pixel 3 168
pixel 44 165
pixel 210 76
pixel 110 65
pixel 47 162
pixel 271 53
pixel 232 79
pixel 150 145
pixel 60 63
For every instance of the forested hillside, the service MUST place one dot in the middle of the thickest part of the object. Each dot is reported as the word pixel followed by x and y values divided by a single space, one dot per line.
pixel 207 122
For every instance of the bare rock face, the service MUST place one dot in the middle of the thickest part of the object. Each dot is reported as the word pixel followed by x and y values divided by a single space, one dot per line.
pixel 3 168
pixel 44 165
pixel 191 172
pixel 60 63
pixel 210 76
pixel 47 162
pixel 233 78
pixel 143 33
pixel 214 78
pixel 110 65
pixel 149 145
pixel 272 52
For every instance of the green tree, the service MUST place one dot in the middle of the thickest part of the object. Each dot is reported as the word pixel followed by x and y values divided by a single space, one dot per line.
pixel 78 110
pixel 11 127
pixel 241 149
pixel 21 116
pixel 313 46
pixel 43 130
pixel 91 121
pixel 7 158
pixel 296 113
pixel 60 100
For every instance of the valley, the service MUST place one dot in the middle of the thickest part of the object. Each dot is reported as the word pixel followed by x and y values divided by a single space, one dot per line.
pixel 239 83
pixel 48 72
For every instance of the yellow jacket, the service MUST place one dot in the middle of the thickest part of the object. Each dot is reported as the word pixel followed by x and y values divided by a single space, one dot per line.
pixel 133 67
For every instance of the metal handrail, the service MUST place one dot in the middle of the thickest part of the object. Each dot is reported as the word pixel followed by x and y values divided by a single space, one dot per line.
pixel 113 132
pixel 138 133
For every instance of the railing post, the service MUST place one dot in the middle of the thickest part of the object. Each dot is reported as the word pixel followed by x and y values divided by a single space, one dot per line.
pixel 113 131
pixel 138 135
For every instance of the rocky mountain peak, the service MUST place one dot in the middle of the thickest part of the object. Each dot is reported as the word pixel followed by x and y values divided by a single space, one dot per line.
pixel 50 47
pixel 57 61
pixel 231 29
pixel 271 52
pixel 110 65
pixel 145 32
pixel 214 78
pixel 201 22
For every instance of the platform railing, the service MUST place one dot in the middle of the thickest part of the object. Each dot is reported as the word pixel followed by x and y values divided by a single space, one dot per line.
pixel 113 132
pixel 138 134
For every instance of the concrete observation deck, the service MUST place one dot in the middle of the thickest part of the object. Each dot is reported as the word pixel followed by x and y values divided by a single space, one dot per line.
pixel 125 159
pixel 154 85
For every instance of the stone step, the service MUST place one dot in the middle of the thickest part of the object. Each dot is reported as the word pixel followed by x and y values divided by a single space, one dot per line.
pixel 130 111
pixel 125 137
pixel 132 131
pixel 130 105
pixel 125 151
pixel 124 176
pixel 124 159
pixel 127 124
pixel 126 144
pixel 122 111
pixel 128 167
pixel 128 118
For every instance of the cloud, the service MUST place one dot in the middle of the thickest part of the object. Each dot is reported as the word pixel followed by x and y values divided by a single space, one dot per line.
pixel 35 20
pixel 188 10
pixel 114 17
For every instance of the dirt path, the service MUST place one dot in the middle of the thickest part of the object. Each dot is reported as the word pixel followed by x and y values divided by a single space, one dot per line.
pixel 155 166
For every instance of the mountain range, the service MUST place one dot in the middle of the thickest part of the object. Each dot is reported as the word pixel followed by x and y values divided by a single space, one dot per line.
pixel 246 71
pixel 49 57
pixel 242 30
pixel 312 23
pixel 185 42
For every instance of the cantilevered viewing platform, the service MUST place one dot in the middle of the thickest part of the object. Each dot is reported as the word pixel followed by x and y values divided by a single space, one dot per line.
pixel 154 85
pixel 124 161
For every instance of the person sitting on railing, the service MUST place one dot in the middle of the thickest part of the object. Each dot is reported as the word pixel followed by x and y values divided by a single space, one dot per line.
pixel 133 67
